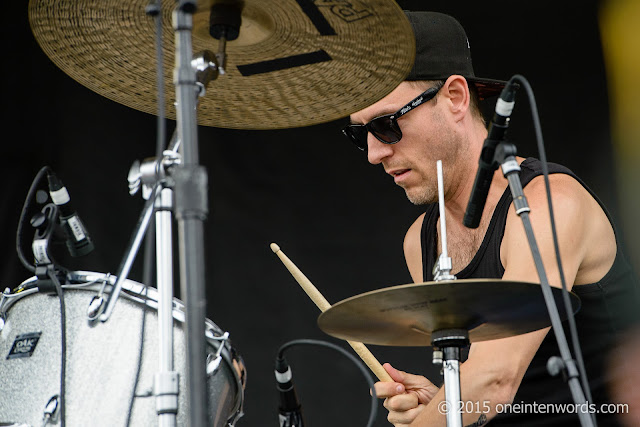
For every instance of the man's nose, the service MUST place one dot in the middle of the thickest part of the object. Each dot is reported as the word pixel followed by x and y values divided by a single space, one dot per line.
pixel 377 151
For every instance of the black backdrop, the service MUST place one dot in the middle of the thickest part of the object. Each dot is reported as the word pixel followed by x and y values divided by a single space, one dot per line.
pixel 339 219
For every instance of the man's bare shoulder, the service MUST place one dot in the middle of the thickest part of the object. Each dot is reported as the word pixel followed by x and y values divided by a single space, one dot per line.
pixel 413 249
pixel 585 234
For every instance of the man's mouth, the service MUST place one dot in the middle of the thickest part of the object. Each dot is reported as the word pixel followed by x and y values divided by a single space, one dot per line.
pixel 399 174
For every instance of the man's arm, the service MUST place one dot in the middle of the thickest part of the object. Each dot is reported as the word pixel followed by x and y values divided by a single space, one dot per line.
pixel 494 369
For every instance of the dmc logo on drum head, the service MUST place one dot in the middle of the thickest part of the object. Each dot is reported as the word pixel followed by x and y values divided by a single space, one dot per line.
pixel 24 345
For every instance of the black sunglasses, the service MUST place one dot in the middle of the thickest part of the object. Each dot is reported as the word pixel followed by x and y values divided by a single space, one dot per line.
pixel 385 128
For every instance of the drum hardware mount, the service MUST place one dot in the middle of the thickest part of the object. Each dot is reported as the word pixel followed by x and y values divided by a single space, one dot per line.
pixel 208 66
pixel 150 171
pixel 96 304
pixel 3 314
pixel 51 412
pixel 103 311
pixel 214 360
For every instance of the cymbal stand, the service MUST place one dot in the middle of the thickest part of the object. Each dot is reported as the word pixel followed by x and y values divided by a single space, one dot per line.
pixel 448 342
pixel 505 156
pixel 177 179
pixel 191 188
pixel 446 351
pixel 191 210
pixel 442 268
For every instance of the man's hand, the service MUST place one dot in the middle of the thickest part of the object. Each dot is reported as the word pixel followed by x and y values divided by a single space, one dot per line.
pixel 406 397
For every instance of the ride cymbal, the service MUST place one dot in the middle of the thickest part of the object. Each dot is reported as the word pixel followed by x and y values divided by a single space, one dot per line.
pixel 295 62
pixel 406 315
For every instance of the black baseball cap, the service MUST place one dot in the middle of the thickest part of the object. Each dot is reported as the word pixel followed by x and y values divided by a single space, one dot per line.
pixel 442 49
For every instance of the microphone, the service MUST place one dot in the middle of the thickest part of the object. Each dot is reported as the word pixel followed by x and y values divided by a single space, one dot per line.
pixel 290 410
pixel 486 164
pixel 78 241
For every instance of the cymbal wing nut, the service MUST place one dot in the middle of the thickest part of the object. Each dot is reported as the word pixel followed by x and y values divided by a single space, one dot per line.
pixel 437 357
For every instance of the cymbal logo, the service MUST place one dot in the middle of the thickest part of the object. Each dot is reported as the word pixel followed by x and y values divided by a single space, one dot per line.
pixel 347 10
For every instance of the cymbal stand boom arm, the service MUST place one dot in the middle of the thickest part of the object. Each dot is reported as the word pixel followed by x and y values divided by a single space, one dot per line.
pixel 505 156
pixel 104 311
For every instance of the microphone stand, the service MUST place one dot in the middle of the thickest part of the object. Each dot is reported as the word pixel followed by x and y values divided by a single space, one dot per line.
pixel 505 156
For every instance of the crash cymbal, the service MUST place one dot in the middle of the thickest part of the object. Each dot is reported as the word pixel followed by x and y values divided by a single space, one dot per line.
pixel 328 58
pixel 406 315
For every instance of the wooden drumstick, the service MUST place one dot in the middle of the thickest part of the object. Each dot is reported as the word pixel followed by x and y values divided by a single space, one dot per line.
pixel 367 357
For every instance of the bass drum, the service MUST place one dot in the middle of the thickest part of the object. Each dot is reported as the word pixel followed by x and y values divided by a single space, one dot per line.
pixel 102 359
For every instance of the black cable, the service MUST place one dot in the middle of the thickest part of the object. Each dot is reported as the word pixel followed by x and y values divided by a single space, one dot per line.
pixel 27 204
pixel 565 293
pixel 63 345
pixel 51 273
pixel 143 323
pixel 154 9
pixel 374 398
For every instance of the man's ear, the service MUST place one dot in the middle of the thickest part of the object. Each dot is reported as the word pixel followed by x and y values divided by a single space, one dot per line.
pixel 456 93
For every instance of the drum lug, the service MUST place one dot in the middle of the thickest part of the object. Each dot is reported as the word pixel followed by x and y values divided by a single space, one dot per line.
pixel 96 307
pixel 213 360
pixel 98 303
pixel 51 411
pixel 3 313
pixel 213 363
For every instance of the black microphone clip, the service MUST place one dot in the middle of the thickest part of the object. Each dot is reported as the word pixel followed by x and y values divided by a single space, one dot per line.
pixel 78 241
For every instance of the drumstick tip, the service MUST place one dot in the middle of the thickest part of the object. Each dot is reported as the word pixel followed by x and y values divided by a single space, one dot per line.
pixel 275 248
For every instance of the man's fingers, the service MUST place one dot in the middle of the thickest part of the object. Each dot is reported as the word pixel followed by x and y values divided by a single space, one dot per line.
pixel 410 381
pixel 404 417
pixel 387 389
pixel 401 402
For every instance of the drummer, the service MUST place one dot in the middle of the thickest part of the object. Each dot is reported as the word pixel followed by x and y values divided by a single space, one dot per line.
pixel 449 126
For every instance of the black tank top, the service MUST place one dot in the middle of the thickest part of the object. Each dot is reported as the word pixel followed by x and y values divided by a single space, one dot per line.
pixel 608 308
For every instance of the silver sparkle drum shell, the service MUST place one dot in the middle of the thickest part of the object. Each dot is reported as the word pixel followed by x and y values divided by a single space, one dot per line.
pixel 102 358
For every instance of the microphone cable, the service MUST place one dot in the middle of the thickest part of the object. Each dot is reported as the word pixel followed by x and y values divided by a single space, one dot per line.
pixel 58 287
pixel 153 10
pixel 23 214
pixel 361 366
pixel 565 293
